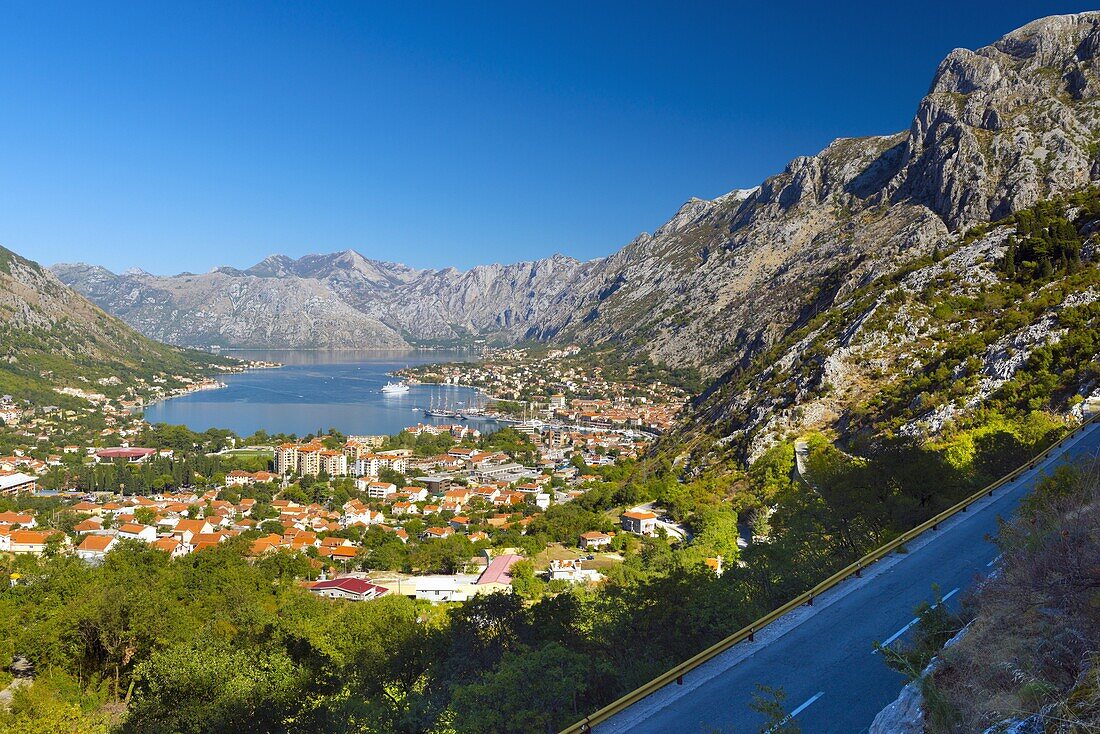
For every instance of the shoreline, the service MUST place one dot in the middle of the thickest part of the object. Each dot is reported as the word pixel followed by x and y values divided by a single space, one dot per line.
pixel 207 386
pixel 365 401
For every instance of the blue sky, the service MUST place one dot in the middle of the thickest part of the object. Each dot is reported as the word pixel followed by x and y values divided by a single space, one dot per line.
pixel 181 137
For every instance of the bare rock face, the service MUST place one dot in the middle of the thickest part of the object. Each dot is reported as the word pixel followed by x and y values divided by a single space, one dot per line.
pixel 1006 125
pixel 904 716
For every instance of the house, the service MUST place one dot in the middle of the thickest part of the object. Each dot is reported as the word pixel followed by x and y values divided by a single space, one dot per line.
pixel 415 494
pixel 594 540
pixel 22 519
pixel 444 588
pixel 238 478
pixel 333 541
pixel 401 533
pixel 94 547
pixel 187 529
pixel 489 493
pixel 460 524
pixel 348 588
pixel 639 522
pixel 207 540
pixel 91 525
pixel 134 531
pixel 457 496
pixel 405 508
pixel 497 575
pixel 341 552
pixel 267 544
pixel 438 533
pixel 355 511
pixel 380 490
pixel 506 499
pixel 32 542
pixel 172 547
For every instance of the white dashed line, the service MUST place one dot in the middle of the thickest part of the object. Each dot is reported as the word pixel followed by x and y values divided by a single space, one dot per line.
pixel 905 629
pixel 787 719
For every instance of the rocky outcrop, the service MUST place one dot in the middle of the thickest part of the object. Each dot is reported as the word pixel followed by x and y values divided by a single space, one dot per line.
pixel 906 714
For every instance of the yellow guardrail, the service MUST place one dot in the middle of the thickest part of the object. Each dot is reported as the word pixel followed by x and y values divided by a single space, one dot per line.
pixel 748 632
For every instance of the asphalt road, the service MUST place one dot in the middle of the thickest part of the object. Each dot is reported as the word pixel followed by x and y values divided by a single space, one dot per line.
pixel 822 657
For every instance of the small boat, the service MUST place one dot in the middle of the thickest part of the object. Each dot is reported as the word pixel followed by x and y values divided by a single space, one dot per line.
pixel 395 388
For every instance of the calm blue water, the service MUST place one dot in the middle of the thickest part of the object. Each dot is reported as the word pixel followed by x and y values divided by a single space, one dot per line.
pixel 317 391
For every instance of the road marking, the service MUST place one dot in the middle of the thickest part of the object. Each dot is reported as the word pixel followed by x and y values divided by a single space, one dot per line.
pixel 905 629
pixel 999 556
pixel 787 719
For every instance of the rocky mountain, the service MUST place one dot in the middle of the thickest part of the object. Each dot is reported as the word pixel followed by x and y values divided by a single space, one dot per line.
pixel 52 336
pixel 1000 128
pixel 724 281
pixel 229 307
pixel 1005 317
pixel 337 301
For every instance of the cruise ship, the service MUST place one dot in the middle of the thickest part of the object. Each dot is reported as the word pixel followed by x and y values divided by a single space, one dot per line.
pixel 395 388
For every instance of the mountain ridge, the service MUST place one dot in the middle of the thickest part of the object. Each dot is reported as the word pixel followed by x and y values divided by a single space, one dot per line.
pixel 1001 128
pixel 51 337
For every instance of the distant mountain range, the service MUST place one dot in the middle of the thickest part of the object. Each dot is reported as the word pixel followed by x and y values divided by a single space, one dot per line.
pixel 1000 128
pixel 724 280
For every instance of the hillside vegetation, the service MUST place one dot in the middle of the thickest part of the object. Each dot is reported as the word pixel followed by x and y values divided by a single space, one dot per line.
pixel 999 321
pixel 1024 654
pixel 50 336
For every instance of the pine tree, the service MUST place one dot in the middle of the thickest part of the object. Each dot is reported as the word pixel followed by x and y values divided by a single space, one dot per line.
pixel 1010 260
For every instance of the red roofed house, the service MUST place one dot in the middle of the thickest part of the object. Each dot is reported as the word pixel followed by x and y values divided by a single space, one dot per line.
pixel 23 520
pixel 639 522
pixel 133 531
pixel 595 539
pixel 95 547
pixel 32 542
